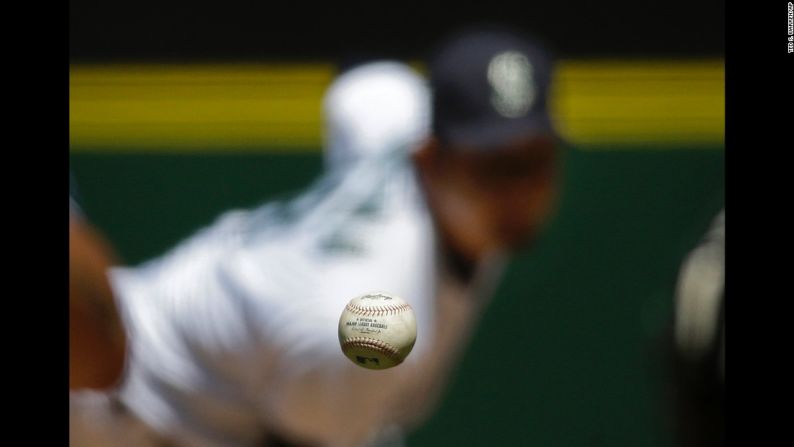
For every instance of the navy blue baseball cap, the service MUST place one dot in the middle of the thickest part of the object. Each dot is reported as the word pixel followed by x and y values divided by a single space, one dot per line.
pixel 490 86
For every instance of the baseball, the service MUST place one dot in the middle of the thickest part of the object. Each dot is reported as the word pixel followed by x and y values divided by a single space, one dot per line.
pixel 377 330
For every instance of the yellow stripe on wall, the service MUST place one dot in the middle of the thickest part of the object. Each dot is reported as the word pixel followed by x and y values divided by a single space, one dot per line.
pixel 216 107
pixel 664 102
pixel 196 107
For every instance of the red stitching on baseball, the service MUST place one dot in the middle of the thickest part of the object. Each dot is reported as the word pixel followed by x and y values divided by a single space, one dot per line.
pixel 377 310
pixel 377 345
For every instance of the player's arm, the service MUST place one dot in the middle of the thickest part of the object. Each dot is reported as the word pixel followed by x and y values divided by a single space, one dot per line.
pixel 96 336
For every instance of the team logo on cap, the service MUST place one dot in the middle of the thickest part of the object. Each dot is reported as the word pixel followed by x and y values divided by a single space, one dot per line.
pixel 511 77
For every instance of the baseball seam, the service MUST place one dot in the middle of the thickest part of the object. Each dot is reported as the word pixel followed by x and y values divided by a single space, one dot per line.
pixel 377 311
pixel 377 345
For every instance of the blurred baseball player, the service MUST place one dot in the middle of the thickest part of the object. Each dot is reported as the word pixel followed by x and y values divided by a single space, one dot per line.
pixel 234 332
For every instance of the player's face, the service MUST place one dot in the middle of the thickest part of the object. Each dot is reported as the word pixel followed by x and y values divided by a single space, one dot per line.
pixel 496 198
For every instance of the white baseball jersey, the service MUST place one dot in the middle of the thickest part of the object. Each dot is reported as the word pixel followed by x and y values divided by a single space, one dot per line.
pixel 700 295
pixel 233 334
